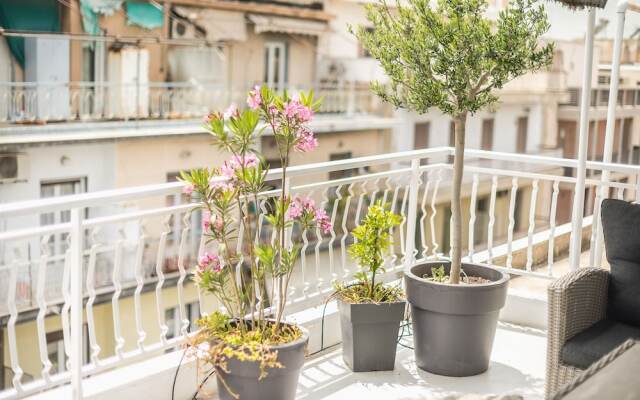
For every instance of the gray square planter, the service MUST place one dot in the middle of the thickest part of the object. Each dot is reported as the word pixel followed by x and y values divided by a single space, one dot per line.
pixel 370 334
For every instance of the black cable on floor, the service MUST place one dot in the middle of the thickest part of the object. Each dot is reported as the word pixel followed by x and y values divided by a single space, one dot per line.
pixel 405 325
pixel 195 395
pixel 175 376
pixel 324 311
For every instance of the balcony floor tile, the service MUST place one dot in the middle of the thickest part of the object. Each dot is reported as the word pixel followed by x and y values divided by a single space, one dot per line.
pixel 517 367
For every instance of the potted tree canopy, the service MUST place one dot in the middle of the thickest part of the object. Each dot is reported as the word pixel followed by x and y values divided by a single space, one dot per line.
pixel 451 57
pixel 370 312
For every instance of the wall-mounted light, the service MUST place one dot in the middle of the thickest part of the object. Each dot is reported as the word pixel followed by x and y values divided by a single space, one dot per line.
pixel 64 160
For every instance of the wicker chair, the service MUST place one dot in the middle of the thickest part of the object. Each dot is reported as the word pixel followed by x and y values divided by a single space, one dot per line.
pixel 576 301
pixel 591 310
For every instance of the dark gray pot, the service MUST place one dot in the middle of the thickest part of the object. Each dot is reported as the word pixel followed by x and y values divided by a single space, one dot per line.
pixel 454 325
pixel 370 334
pixel 279 384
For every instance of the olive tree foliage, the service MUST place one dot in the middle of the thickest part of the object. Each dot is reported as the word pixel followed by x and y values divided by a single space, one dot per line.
pixel 450 56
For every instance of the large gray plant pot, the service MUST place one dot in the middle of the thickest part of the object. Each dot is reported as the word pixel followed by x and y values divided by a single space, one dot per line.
pixel 454 325
pixel 370 334
pixel 279 384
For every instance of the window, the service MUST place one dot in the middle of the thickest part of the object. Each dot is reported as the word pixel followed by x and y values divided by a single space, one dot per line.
pixel 88 64
pixel 421 138
pixel 275 65
pixel 362 51
pixel 55 350
pixel 487 134
pixel 177 225
pixel 421 135
pixel 482 221
pixel 345 173
pixel 57 242
pixel 521 141
pixel 173 322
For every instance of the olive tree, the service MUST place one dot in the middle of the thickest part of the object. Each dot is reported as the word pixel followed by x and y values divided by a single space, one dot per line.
pixel 450 56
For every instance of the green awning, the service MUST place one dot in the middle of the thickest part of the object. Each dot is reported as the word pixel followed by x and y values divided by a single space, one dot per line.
pixel 89 18
pixel 146 15
pixel 35 15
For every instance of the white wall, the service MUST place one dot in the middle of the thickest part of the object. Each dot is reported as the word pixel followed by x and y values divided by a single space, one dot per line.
pixel 93 161
pixel 505 127
pixel 340 47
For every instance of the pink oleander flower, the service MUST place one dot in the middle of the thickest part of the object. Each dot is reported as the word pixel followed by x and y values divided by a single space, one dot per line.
pixel 295 210
pixel 301 205
pixel 218 225
pixel 296 110
pixel 306 141
pixel 254 100
pixel 223 183
pixel 323 221
pixel 249 161
pixel 208 260
pixel 213 116
pixel 206 220
pixel 232 111
pixel 188 188
pixel 229 168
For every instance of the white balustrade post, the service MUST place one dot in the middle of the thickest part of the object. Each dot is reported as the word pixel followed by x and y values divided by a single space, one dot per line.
pixel 76 251
pixel 585 102
pixel 609 131
pixel 412 214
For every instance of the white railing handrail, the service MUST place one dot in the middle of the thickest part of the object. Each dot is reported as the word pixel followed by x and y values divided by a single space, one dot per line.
pixel 137 192
pixel 551 161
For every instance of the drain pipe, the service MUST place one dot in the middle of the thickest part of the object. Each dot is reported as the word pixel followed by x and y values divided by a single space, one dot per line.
pixel 596 254
pixel 585 102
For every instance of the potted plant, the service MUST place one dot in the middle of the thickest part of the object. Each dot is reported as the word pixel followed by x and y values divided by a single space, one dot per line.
pixel 453 58
pixel 254 352
pixel 370 312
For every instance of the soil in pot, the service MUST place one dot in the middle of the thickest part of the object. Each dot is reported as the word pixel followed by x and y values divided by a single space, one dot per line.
pixel 370 334
pixel 242 379
pixel 454 325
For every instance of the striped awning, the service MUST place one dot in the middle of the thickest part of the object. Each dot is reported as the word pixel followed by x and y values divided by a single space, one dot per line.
pixel 218 24
pixel 268 23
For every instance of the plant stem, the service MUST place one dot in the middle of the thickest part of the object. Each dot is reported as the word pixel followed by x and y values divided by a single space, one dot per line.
pixel 373 282
pixel 456 207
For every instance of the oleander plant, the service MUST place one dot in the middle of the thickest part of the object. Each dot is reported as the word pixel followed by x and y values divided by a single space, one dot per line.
pixel 250 278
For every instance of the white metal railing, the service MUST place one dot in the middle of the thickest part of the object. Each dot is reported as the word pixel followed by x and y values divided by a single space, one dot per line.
pixel 627 97
pixel 126 253
pixel 30 102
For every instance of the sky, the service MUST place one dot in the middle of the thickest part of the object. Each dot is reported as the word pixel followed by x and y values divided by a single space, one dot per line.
pixel 571 24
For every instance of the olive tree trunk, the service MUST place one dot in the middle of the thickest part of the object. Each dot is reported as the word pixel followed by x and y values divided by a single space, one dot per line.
pixel 456 206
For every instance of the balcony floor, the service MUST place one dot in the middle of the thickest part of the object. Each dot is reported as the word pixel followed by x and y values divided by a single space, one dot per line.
pixel 517 368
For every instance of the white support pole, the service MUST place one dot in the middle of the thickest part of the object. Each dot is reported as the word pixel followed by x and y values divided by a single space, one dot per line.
pixel 585 102
pixel 76 252
pixel 610 129
pixel 412 215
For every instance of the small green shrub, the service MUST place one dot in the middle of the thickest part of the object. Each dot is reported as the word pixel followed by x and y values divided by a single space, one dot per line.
pixel 372 244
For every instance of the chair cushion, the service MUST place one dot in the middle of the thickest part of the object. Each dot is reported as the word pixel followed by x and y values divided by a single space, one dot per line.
pixel 621 227
pixel 593 343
